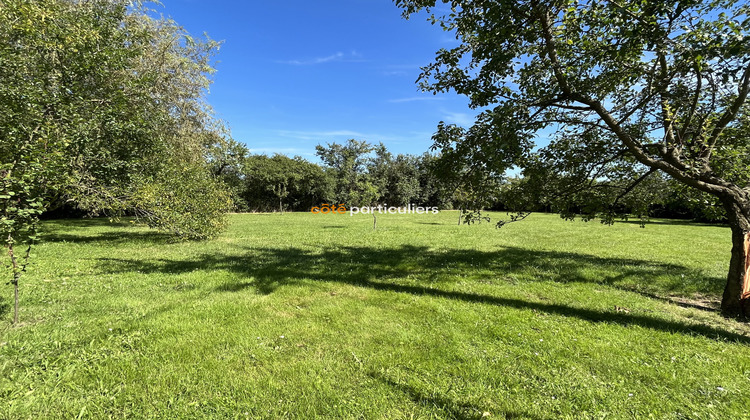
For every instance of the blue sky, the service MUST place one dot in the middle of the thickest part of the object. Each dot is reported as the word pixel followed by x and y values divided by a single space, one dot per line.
pixel 293 74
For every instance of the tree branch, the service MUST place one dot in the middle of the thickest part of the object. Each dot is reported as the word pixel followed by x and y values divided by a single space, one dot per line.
pixel 633 185
pixel 549 44
pixel 667 118
pixel 694 104
pixel 669 162
pixel 730 114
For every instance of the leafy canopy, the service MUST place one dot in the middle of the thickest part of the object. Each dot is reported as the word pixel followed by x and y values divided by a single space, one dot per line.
pixel 623 89
pixel 101 106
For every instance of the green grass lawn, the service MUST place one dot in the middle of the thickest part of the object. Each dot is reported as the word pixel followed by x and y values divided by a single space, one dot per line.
pixel 318 316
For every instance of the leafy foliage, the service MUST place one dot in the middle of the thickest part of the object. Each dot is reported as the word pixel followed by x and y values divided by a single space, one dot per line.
pixel 186 201
pixel 226 160
pixel 97 96
pixel 278 182
pixel 96 99
pixel 363 174
pixel 634 85
pixel 349 164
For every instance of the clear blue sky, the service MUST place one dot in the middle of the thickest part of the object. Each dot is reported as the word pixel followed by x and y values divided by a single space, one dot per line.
pixel 293 74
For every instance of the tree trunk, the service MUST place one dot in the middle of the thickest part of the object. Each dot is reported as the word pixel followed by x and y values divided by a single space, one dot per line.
pixel 460 213
pixel 16 278
pixel 736 300
pixel 374 221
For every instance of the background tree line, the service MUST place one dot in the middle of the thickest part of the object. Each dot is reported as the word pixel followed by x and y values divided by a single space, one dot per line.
pixel 358 173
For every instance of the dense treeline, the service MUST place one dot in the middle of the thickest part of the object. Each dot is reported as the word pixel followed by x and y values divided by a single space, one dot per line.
pixel 358 173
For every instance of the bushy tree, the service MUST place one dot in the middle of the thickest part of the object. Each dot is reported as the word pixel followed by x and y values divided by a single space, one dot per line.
pixel 279 182
pixel 397 178
pixel 432 191
pixel 349 164
pixel 100 106
pixel 688 203
pixel 465 169
pixel 226 159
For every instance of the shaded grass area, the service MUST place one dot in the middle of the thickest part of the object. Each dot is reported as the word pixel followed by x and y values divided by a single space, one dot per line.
pixel 311 316
pixel 420 271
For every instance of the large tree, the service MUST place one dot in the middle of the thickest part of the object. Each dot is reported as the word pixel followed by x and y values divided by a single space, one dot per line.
pixel 103 106
pixel 350 164
pixel 226 161
pixel 280 182
pixel 628 89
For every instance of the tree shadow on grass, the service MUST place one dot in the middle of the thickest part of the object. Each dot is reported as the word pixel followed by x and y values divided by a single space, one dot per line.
pixel 673 222
pixel 426 272
pixel 703 305
pixel 109 237
pixel 82 222
pixel 456 410
pixel 59 230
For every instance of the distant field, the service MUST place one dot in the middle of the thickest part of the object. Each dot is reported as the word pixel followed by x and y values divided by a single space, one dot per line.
pixel 318 316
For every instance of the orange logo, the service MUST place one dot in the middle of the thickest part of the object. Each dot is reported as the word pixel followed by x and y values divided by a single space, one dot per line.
pixel 326 208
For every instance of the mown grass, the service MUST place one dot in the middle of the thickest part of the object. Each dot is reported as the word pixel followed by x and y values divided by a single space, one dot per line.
pixel 318 316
